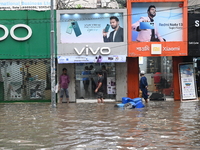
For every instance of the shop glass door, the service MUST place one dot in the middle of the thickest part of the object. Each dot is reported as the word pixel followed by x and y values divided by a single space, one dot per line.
pixel 87 78
pixel 158 71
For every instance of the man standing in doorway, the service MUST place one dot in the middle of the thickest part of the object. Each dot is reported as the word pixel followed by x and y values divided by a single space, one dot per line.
pixel 144 86
pixel 63 85
pixel 117 34
pixel 99 89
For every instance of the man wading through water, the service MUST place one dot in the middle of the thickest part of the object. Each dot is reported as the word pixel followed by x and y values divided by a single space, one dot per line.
pixel 99 89
pixel 144 86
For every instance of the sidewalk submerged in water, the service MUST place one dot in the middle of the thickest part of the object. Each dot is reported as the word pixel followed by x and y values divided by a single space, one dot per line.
pixel 108 100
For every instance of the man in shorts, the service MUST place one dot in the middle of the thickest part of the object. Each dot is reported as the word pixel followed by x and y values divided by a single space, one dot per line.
pixel 99 90
pixel 63 85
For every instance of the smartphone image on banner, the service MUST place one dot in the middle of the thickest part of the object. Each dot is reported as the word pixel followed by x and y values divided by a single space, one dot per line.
pixel 107 28
pixel 146 25
pixel 69 27
pixel 76 28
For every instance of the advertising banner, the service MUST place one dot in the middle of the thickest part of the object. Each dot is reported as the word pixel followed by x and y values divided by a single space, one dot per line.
pixel 91 36
pixel 25 4
pixel 158 22
pixel 111 85
pixel 88 28
pixel 15 90
pixel 167 23
pixel 91 59
pixel 187 81
pixel 193 34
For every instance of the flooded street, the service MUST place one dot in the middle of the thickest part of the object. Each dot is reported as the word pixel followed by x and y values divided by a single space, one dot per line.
pixel 160 125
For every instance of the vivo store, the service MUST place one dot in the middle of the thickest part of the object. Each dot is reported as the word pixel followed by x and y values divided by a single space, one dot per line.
pixel 156 46
pixel 82 49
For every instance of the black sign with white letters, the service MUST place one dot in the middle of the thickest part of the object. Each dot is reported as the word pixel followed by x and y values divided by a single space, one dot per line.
pixel 193 34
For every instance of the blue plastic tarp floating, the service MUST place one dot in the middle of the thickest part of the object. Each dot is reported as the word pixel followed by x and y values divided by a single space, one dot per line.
pixel 125 100
pixel 139 104
pixel 136 99
pixel 131 103
pixel 120 105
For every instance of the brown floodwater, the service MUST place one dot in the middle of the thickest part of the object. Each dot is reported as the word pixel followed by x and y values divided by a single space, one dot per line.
pixel 163 125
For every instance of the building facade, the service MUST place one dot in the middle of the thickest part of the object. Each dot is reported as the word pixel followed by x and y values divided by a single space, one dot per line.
pixel 81 47
pixel 25 55
pixel 157 39
pixel 84 51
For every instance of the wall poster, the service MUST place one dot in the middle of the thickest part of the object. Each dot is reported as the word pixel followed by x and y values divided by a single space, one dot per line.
pixel 111 85
pixel 187 81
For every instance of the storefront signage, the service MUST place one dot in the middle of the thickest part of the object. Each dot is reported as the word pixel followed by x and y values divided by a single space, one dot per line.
pixel 196 23
pixel 25 4
pixel 147 25
pixel 187 81
pixel 29 37
pixel 89 27
pixel 193 34
pixel 12 34
pixel 156 49
pixel 91 59
pixel 90 36
pixel 102 50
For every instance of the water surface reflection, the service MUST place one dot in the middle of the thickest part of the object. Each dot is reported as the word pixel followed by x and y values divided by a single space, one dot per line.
pixel 89 126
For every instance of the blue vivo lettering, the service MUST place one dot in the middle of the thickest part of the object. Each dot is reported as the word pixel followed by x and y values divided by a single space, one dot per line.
pixel 12 34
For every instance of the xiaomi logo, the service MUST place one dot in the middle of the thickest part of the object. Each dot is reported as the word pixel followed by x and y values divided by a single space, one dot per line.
pixel 156 48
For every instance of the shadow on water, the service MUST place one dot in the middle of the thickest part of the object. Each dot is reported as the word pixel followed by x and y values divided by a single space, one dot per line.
pixel 89 126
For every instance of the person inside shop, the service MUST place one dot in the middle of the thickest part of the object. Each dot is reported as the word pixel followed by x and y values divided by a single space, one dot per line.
pixel 63 85
pixel 144 86
pixel 86 80
pixel 157 79
pixel 29 77
pixel 104 72
pixel 99 89
pixel 147 35
pixel 117 34
pixel 198 84
pixel 91 68
pixel 93 83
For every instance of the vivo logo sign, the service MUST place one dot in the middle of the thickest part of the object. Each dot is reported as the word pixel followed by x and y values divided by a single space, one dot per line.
pixel 102 50
pixel 12 32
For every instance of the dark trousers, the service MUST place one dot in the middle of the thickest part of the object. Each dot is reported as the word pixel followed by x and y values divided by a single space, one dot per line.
pixel 144 93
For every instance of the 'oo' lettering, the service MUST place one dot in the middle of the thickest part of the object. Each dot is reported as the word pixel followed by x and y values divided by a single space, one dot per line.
pixel 12 34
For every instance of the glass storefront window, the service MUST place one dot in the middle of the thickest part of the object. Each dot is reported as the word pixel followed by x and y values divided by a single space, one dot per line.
pixel 87 78
pixel 158 71
pixel 25 79
pixel 196 61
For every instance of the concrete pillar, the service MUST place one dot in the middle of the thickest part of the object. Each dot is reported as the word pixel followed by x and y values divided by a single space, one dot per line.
pixel 121 81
